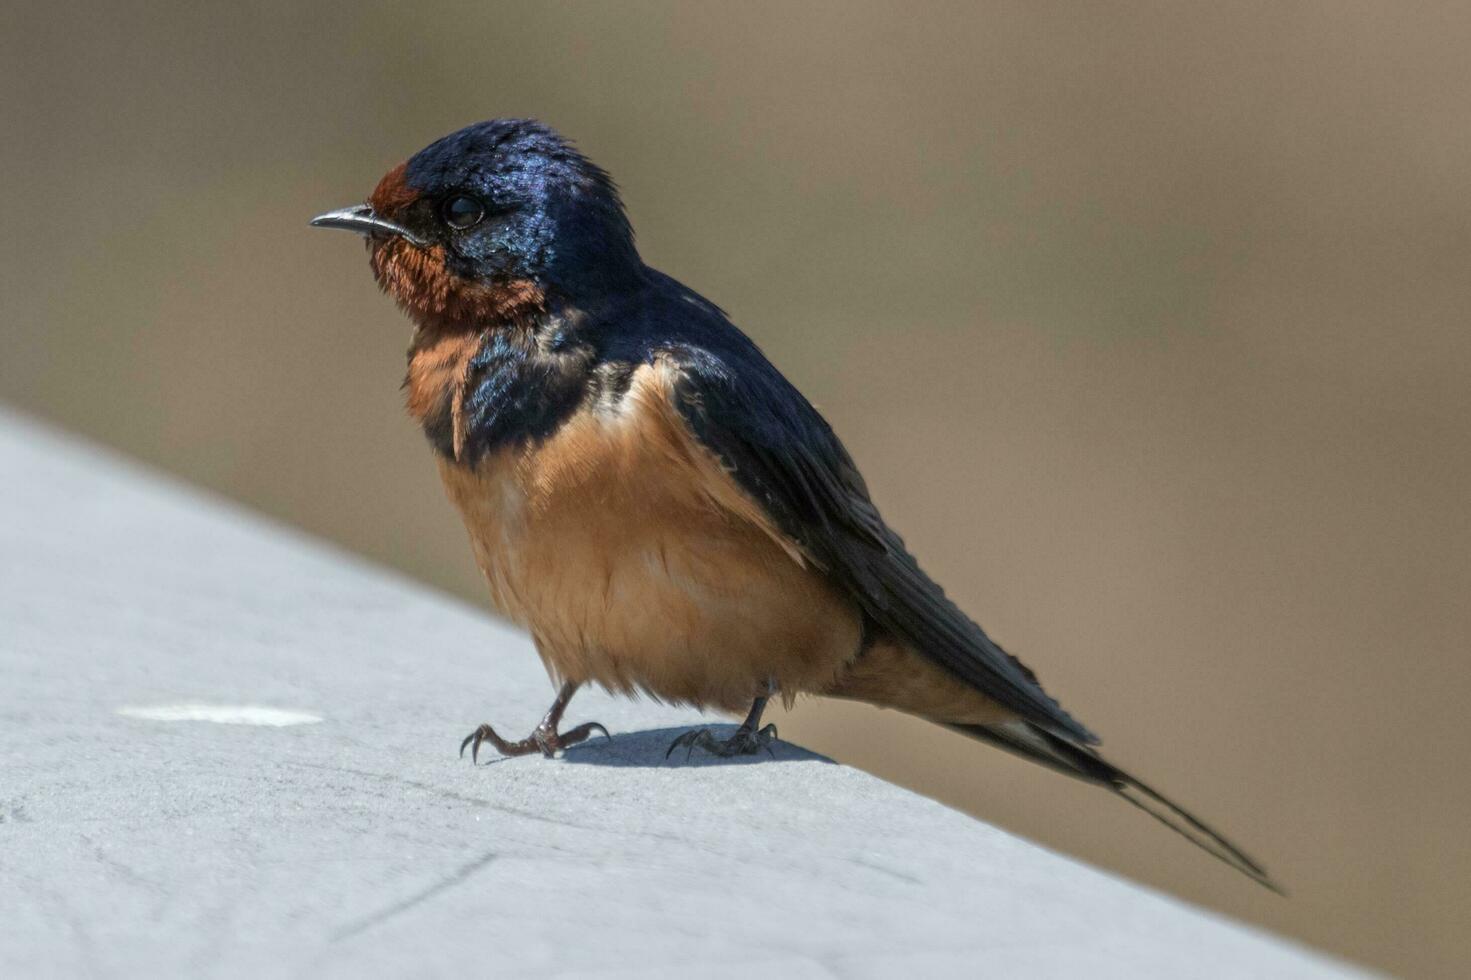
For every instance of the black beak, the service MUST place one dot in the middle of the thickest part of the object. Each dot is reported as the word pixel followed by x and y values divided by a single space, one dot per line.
pixel 361 219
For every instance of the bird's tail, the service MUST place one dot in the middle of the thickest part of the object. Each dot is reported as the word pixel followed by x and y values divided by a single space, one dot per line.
pixel 1081 762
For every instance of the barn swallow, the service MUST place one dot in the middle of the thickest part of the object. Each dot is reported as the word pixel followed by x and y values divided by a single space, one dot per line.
pixel 647 495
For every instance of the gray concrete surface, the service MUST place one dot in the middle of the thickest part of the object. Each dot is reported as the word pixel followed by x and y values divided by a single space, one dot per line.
pixel 229 750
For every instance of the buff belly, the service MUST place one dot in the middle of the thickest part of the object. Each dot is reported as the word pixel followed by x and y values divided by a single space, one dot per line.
pixel 637 563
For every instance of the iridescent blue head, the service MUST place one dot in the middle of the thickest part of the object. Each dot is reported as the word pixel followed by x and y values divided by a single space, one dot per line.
pixel 499 211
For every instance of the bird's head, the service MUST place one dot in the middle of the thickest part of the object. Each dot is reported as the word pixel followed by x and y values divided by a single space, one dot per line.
pixel 490 224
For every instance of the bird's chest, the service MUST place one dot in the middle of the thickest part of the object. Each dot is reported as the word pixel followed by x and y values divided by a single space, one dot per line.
pixel 636 562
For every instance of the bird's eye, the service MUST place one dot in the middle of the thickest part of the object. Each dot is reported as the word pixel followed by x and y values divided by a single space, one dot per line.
pixel 463 212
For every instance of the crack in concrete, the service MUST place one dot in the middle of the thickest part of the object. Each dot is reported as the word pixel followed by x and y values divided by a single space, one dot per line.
pixel 460 876
pixel 896 875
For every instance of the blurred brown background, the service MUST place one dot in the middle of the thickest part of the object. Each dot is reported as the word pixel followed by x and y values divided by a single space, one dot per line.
pixel 1149 325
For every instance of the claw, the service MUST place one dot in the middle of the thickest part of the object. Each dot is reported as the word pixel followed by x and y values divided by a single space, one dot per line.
pixel 688 741
pixel 485 734
pixel 743 742
pixel 544 739
pixel 582 733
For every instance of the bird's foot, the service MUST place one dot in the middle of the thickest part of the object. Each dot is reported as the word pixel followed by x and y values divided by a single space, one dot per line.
pixel 745 741
pixel 544 739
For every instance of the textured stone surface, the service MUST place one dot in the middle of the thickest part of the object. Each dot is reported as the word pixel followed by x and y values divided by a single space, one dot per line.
pixel 169 805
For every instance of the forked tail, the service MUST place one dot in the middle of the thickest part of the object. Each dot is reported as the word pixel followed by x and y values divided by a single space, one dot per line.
pixel 1084 763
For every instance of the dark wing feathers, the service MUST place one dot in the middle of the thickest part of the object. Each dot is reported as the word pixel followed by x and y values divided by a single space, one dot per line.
pixel 785 455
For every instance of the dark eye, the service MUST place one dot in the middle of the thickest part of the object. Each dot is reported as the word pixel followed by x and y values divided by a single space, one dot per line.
pixel 463 212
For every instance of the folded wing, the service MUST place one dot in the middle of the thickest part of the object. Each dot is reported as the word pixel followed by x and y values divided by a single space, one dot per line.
pixel 786 456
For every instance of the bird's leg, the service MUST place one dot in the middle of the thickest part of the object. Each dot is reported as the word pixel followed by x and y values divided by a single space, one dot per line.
pixel 544 738
pixel 749 739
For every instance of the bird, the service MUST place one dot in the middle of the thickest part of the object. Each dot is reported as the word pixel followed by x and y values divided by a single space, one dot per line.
pixel 649 496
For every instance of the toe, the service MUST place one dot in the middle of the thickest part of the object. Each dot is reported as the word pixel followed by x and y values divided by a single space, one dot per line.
pixel 582 733
pixel 684 739
pixel 704 740
pixel 474 740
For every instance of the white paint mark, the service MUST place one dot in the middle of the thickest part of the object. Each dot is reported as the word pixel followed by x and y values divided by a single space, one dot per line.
pixel 222 714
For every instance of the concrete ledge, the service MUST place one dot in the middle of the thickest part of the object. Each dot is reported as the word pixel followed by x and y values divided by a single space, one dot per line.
pixel 134 840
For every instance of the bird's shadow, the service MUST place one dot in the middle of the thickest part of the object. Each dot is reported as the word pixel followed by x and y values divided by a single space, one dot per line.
pixel 650 750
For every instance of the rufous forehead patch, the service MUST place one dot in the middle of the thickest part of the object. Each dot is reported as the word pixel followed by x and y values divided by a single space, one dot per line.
pixel 393 192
